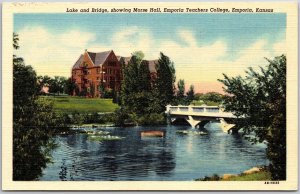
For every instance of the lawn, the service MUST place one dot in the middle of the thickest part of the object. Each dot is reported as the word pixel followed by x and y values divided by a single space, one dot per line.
pixel 262 175
pixel 69 104
pixel 258 176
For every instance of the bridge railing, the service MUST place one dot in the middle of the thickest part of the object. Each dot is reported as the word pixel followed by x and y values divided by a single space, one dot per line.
pixel 195 109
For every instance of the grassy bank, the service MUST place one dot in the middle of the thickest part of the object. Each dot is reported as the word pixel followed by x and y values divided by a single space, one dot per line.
pixel 258 176
pixel 262 175
pixel 69 104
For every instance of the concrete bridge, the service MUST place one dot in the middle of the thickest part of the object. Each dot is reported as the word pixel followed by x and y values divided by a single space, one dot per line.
pixel 201 115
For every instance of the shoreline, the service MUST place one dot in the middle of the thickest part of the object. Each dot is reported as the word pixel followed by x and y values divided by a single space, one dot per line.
pixel 252 174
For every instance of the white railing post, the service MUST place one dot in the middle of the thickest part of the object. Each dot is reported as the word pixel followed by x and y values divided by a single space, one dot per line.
pixel 168 110
pixel 190 109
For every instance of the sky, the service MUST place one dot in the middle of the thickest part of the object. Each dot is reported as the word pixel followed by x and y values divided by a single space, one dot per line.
pixel 202 46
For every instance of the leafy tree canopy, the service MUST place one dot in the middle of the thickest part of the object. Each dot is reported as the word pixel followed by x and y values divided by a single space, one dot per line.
pixel 165 81
pixel 33 123
pixel 190 95
pixel 141 95
pixel 259 100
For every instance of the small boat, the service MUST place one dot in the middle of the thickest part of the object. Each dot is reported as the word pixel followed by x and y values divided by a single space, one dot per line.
pixel 153 133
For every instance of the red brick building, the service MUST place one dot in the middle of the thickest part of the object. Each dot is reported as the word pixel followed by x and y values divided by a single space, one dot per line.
pixel 104 68
pixel 94 69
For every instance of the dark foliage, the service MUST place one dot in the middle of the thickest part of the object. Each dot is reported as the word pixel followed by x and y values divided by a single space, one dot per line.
pixel 165 82
pixel 143 98
pixel 259 99
pixel 33 123
pixel 190 95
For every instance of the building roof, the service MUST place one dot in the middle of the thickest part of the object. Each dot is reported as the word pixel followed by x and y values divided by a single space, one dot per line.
pixel 78 62
pixel 124 59
pixel 99 58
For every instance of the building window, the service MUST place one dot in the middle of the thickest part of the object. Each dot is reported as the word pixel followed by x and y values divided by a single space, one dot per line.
pixel 98 70
pixel 84 65
pixel 108 71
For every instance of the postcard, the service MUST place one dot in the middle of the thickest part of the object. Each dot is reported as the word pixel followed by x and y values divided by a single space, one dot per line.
pixel 150 96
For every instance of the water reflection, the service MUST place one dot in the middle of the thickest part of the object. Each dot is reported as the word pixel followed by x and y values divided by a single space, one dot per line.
pixel 63 173
pixel 174 157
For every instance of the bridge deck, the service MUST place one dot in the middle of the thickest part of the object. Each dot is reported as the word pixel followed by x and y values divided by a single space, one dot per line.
pixel 202 111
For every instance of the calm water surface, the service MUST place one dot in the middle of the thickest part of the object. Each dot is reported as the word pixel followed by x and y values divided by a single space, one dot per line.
pixel 174 157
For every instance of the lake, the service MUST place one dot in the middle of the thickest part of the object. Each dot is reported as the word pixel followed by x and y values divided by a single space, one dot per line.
pixel 176 157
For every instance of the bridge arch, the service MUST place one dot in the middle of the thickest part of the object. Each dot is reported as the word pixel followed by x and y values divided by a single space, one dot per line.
pixel 179 121
pixel 202 124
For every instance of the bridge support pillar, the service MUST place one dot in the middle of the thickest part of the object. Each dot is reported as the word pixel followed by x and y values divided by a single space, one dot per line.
pixel 226 126
pixel 193 122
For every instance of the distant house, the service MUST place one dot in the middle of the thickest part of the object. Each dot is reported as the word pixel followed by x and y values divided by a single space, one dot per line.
pixel 92 70
pixel 45 89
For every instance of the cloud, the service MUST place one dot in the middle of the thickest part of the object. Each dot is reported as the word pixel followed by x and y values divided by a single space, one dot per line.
pixel 51 53
pixel 81 39
pixel 188 37
pixel 128 40
pixel 195 61
pixel 279 48
pixel 205 64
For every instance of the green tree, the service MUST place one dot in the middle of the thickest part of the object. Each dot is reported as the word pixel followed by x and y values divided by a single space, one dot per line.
pixel 33 121
pixel 16 60
pixel 42 80
pixel 70 86
pixel 144 78
pixel 144 93
pixel 141 96
pixel 164 86
pixel 139 56
pixel 136 86
pixel 181 92
pixel 259 100
pixel 57 85
pixel 15 41
pixel 116 97
pixel 212 96
pixel 130 83
pixel 101 88
pixel 92 90
pixel 190 95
